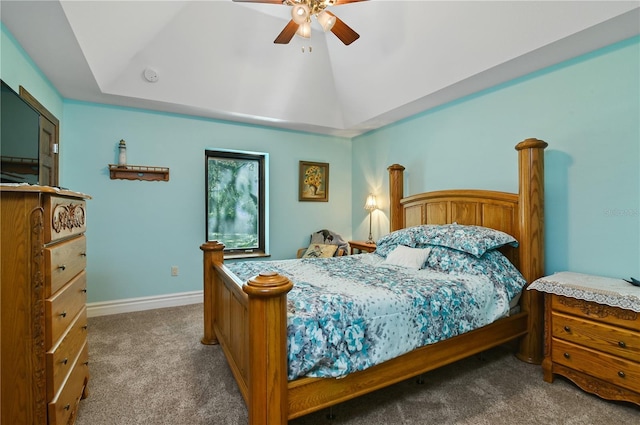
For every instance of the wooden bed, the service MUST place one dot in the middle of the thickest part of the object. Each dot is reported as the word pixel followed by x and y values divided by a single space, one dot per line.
pixel 248 319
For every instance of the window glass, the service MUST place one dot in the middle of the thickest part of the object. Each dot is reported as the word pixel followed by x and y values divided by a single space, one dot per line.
pixel 235 201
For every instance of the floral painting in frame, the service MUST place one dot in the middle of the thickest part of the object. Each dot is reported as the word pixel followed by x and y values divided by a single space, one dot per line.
pixel 314 181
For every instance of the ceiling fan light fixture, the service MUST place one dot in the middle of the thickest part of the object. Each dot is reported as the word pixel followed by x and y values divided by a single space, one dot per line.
pixel 300 13
pixel 326 20
pixel 304 30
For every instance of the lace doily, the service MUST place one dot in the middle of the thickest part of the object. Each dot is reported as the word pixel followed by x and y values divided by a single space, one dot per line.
pixel 602 290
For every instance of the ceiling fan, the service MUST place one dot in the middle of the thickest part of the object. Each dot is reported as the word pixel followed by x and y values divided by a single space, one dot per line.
pixel 301 13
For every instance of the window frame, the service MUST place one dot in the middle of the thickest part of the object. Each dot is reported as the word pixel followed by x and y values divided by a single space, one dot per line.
pixel 261 159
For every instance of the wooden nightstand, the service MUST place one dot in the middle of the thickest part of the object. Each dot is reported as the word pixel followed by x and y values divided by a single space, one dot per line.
pixel 362 246
pixel 589 338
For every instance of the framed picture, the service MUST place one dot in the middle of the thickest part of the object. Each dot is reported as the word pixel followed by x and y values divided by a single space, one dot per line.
pixel 313 181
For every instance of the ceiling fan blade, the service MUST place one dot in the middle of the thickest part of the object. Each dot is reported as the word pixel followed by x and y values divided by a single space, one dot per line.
pixel 343 31
pixel 287 33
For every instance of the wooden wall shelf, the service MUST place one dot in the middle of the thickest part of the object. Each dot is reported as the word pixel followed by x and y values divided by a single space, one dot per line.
pixel 139 172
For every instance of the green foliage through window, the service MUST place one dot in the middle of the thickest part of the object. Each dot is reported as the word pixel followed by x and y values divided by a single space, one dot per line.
pixel 235 204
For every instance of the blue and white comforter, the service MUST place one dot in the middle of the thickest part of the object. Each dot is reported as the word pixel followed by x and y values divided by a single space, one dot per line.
pixel 349 313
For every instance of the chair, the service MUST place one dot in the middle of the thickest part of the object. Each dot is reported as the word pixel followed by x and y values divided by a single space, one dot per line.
pixel 321 245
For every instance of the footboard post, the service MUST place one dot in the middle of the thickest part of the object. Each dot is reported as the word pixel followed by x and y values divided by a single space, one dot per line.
pixel 213 252
pixel 267 381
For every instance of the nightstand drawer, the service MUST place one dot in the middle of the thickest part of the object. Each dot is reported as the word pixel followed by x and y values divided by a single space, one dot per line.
pixel 63 307
pixel 63 261
pixel 615 370
pixel 600 336
pixel 594 311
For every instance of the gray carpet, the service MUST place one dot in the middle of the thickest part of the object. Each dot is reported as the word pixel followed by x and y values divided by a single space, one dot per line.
pixel 150 368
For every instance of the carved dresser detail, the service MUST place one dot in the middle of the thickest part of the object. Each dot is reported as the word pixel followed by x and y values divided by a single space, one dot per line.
pixel 592 334
pixel 44 354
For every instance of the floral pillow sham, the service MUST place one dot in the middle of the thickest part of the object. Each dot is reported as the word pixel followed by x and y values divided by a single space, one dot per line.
pixel 474 240
pixel 492 264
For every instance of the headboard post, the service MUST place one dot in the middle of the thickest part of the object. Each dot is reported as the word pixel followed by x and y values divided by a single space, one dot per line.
pixel 396 192
pixel 531 218
pixel 212 253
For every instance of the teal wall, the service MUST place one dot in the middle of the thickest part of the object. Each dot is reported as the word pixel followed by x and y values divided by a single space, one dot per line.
pixel 17 69
pixel 587 109
pixel 138 230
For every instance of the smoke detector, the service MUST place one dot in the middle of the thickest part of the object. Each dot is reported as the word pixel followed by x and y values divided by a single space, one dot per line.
pixel 150 75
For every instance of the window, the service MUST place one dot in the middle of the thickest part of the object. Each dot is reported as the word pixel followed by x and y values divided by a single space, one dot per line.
pixel 235 201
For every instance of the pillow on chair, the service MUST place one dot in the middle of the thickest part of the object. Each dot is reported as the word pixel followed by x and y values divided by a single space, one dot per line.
pixel 318 250
pixel 328 237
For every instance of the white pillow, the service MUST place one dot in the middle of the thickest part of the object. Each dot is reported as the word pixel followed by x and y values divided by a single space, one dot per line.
pixel 408 257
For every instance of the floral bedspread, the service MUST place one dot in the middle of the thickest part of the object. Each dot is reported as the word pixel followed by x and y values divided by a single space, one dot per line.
pixel 349 313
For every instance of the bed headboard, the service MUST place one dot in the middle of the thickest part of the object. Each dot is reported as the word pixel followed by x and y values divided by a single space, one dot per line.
pixel 518 214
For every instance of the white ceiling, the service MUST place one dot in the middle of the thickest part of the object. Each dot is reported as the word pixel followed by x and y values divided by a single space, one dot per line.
pixel 217 59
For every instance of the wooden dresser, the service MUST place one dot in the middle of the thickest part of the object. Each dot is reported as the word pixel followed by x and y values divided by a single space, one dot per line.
pixel 43 319
pixel 594 344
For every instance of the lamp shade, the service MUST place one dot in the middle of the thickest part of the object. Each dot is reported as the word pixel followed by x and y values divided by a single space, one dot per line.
pixel 326 20
pixel 304 30
pixel 371 204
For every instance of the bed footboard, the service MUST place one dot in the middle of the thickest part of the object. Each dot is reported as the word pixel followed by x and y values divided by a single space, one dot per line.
pixel 233 310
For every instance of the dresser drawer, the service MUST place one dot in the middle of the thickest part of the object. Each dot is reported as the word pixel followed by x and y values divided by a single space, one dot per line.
pixel 63 261
pixel 615 370
pixel 60 358
pixel 64 217
pixel 64 406
pixel 594 311
pixel 599 336
pixel 63 307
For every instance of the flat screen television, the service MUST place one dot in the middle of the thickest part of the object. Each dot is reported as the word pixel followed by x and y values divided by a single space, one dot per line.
pixel 19 138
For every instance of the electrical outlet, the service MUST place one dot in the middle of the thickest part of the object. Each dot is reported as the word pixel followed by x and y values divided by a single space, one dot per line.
pixel 174 270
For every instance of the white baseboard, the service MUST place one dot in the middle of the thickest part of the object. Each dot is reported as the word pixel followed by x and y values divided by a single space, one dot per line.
pixel 144 303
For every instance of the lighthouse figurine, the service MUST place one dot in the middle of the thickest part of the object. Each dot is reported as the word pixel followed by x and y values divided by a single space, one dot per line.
pixel 122 155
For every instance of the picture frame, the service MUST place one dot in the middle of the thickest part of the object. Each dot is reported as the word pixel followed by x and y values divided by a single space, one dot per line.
pixel 313 181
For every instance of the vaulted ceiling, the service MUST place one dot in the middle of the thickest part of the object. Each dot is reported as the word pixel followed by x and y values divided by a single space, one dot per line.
pixel 217 58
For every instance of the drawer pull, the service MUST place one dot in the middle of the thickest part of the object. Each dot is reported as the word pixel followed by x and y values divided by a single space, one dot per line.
pixel 63 314
pixel 65 361
pixel 84 328
pixel 83 254
pixel 566 355
pixel 86 363
pixel 567 329
pixel 84 290
pixel 67 407
pixel 62 267
pixel 621 374
pixel 621 344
